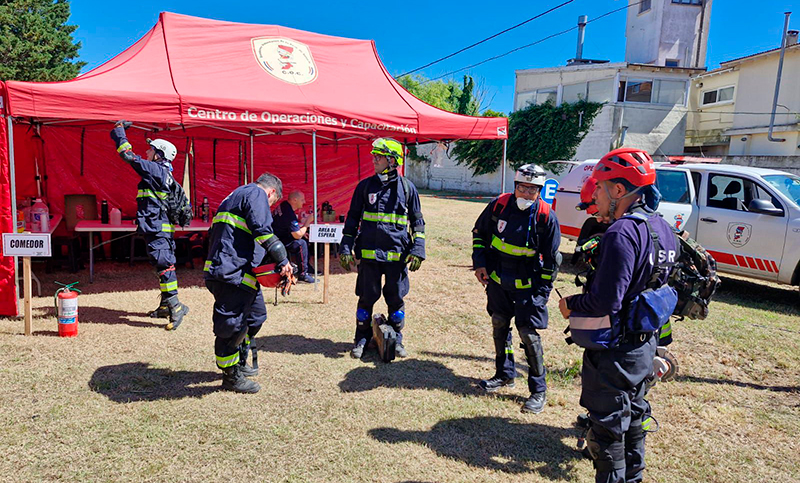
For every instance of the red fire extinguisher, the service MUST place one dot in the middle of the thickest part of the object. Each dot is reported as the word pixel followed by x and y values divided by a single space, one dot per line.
pixel 66 302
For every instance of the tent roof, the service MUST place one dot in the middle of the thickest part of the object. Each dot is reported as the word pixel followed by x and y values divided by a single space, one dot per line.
pixel 192 71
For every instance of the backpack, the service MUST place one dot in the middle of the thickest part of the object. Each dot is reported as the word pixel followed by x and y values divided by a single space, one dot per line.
pixel 176 205
pixel 695 279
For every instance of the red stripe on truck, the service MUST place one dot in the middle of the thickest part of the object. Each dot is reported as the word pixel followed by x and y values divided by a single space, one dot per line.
pixel 722 257
pixel 761 265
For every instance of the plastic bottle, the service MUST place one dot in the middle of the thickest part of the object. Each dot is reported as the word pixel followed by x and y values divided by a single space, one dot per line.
pixel 204 209
pixel 40 217
pixel 116 216
pixel 20 221
pixel 104 212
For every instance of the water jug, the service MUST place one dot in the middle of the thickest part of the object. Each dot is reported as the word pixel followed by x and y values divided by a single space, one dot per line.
pixel 40 217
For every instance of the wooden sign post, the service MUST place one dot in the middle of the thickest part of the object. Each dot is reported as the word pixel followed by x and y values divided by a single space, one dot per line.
pixel 26 245
pixel 326 233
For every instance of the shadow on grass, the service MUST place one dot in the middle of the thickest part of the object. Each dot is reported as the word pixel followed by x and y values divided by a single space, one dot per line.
pixel 137 381
pixel 461 357
pixel 783 300
pixel 493 443
pixel 102 315
pixel 405 374
pixel 300 345
pixel 728 382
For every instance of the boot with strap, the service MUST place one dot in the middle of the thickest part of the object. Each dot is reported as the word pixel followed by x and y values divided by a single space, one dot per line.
pixel 177 311
pixel 244 349
pixel 162 312
pixel 234 380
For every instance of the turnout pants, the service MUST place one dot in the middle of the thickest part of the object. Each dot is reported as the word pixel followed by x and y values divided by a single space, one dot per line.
pixel 613 390
pixel 161 252
pixel 238 316
pixel 299 248
pixel 529 311
pixel 368 289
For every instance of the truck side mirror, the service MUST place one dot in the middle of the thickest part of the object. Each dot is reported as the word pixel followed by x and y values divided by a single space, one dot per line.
pixel 764 207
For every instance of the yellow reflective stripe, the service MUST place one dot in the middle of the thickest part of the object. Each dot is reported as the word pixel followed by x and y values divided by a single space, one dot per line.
pixel 264 274
pixel 228 361
pixel 476 245
pixel 124 147
pixel 263 238
pixel 247 339
pixel 518 284
pixel 419 235
pixel 547 277
pixel 249 280
pixel 231 219
pixel 386 218
pixel 167 228
pixel 166 287
pixel 207 266
pixel 510 249
pixel 510 349
pixel 494 277
pixel 666 330
pixel 647 423
pixel 146 193
pixel 370 255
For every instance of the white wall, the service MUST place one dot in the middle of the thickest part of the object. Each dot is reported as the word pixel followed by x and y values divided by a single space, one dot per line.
pixel 442 173
pixel 667 31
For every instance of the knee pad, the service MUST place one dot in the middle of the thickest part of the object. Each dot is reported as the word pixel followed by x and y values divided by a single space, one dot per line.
pixel 363 318
pixel 398 320
pixel 532 343
pixel 608 455
pixel 498 321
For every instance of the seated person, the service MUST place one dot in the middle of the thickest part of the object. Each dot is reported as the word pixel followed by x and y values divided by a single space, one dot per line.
pixel 290 232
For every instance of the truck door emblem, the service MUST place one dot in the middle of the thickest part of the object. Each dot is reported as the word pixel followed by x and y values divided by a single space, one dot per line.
pixel 678 221
pixel 739 234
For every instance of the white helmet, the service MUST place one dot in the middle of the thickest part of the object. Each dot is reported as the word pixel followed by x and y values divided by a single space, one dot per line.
pixel 165 148
pixel 531 174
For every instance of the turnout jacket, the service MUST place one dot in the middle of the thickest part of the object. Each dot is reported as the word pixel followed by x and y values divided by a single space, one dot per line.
pixel 242 224
pixel 378 222
pixel 515 250
pixel 151 217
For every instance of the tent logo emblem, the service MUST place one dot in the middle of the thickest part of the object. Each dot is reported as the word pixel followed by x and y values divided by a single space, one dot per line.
pixel 285 59
pixel 501 131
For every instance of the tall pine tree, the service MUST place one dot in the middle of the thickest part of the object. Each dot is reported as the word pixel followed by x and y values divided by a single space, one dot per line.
pixel 35 42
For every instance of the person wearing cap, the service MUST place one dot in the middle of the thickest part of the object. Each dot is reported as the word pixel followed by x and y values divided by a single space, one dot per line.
pixel 515 256
pixel 614 322
pixel 240 240
pixel 151 217
pixel 385 231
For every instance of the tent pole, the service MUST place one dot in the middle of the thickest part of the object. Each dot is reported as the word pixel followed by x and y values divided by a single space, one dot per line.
pixel 503 175
pixel 13 197
pixel 314 163
pixel 252 174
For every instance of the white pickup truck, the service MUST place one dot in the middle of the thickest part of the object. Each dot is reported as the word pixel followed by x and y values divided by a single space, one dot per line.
pixel 747 218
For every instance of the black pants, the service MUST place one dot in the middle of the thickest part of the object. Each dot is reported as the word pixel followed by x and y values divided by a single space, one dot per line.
pixel 238 313
pixel 161 252
pixel 613 390
pixel 368 289
pixel 299 248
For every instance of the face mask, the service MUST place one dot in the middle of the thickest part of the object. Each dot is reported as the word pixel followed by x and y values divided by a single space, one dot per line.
pixel 524 204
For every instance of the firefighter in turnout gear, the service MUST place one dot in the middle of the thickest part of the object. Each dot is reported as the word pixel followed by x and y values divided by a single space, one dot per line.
pixel 240 240
pixel 515 256
pixel 151 217
pixel 385 231
pixel 616 320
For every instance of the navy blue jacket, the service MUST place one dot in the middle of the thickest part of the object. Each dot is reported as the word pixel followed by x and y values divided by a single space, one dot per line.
pixel 378 222
pixel 242 224
pixel 284 222
pixel 514 252
pixel 150 216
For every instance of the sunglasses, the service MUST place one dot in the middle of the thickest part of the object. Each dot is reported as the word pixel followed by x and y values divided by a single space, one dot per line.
pixel 531 190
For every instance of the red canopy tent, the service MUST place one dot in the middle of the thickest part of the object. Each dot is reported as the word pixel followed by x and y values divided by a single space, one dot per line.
pixel 237 100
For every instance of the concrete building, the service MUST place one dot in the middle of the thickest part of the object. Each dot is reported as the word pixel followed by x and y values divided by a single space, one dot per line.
pixel 670 33
pixel 731 106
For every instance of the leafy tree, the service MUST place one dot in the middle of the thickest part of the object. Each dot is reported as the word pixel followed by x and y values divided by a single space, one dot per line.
pixel 35 42
pixel 537 134
pixel 448 96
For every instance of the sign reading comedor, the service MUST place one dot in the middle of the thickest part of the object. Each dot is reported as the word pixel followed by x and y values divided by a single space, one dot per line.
pixel 26 244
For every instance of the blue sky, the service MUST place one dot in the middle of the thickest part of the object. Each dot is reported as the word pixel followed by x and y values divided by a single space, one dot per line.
pixel 410 34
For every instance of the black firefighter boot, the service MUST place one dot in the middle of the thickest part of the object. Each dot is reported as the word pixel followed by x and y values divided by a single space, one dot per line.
pixel 247 371
pixel 162 312
pixel 177 311
pixel 234 380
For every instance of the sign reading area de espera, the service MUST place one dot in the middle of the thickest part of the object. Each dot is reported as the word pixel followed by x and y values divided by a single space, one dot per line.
pixel 26 244
pixel 327 233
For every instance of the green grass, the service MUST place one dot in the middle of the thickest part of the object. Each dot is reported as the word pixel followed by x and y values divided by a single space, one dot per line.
pixel 128 401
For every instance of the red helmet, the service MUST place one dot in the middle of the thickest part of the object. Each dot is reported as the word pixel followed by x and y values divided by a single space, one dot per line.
pixel 587 202
pixel 633 165
pixel 268 275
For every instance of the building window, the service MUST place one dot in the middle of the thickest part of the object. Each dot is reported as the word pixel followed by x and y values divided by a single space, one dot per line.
pixel 653 91
pixel 546 95
pixel 672 63
pixel 638 90
pixel 723 94
pixel 687 2
pixel 645 6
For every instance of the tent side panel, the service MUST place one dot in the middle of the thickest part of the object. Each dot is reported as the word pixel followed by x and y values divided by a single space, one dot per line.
pixel 8 292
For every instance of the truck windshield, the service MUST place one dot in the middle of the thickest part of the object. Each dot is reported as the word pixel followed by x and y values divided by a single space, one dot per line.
pixel 787 184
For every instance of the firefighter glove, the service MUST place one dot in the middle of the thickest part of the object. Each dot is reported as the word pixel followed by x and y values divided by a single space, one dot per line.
pixel 346 261
pixel 413 262
pixel 124 124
